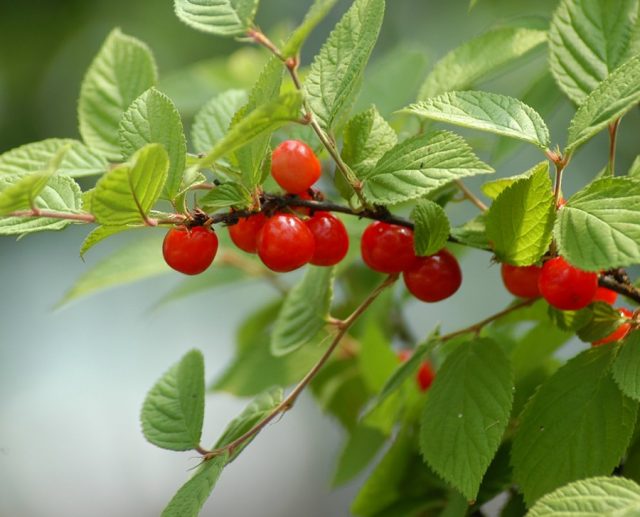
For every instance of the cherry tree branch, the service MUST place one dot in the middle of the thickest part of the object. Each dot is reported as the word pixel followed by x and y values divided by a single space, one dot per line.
pixel 471 196
pixel 50 214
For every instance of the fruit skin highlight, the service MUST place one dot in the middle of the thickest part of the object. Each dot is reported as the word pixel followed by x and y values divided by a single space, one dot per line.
pixel 295 166
pixel 190 250
pixel 433 278
pixel 566 287
pixel 285 243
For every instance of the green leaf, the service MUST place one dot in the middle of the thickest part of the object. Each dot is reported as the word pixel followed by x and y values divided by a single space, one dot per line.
pixel 431 227
pixel 594 497
pixel 367 136
pixel 492 189
pixel 136 261
pixel 634 170
pixel 212 121
pixel 78 160
pixel 316 13
pixel 121 71
pixel 616 95
pixel 587 40
pixel 463 422
pixel 599 227
pixel 569 320
pixel 376 360
pixel 420 165
pixel 486 111
pixel 305 311
pixel 192 495
pixel 60 194
pixel 604 320
pixel 626 369
pixel 479 58
pixel 264 119
pixel 472 233
pixel 99 234
pixel 520 220
pixel 126 194
pixel 225 195
pixel 577 425
pixel 336 72
pixel 152 118
pixel 219 17
pixel 173 411
pixel 358 451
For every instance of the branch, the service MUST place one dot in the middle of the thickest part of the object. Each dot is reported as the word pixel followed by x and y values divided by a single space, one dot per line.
pixel 343 326
pixel 621 286
pixel 471 196
pixel 50 214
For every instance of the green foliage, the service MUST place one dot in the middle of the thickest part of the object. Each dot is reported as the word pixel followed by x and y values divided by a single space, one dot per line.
pixel 336 72
pixel 578 409
pixel 486 111
pixel 316 13
pixel 591 497
pixel 431 227
pixel 173 412
pixel 625 368
pixel 226 195
pixel 123 69
pixel 219 17
pixel 212 121
pixel 604 319
pixel 358 451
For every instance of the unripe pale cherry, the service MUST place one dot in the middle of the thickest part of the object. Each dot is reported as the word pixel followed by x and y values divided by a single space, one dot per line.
pixel 521 281
pixel 244 233
pixel 331 238
pixel 387 248
pixel 285 243
pixel 566 287
pixel 190 250
pixel 294 166
pixel 433 278
pixel 619 333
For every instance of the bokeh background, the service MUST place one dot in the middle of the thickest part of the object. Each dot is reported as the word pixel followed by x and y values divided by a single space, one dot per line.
pixel 72 380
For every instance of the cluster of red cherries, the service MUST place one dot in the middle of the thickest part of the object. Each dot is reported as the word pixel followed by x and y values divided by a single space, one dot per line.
pixel 564 287
pixel 285 241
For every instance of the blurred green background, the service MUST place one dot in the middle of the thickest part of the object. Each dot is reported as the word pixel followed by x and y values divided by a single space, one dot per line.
pixel 72 381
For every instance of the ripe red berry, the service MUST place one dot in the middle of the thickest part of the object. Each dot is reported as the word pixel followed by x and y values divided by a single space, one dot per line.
pixel 605 295
pixel 332 240
pixel 433 278
pixel 245 232
pixel 521 281
pixel 620 332
pixel 425 376
pixel 294 166
pixel 387 248
pixel 190 250
pixel 285 243
pixel 565 287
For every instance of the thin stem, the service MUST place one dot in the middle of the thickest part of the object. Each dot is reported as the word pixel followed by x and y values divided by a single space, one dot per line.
pixel 290 400
pixel 613 132
pixel 82 218
pixel 471 196
pixel 624 288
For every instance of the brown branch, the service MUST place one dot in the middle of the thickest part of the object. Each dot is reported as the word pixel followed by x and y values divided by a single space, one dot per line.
pixel 620 286
pixel 471 196
pixel 290 400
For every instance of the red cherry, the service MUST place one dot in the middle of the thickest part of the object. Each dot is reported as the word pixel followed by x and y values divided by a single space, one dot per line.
pixel 190 250
pixel 620 332
pixel 565 287
pixel 245 232
pixel 404 355
pixel 425 376
pixel 294 166
pixel 433 278
pixel 387 248
pixel 605 295
pixel 332 240
pixel 285 243
pixel 521 281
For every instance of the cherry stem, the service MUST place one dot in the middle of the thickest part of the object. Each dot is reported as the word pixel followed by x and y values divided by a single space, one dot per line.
pixel 290 400
pixel 50 214
pixel 471 196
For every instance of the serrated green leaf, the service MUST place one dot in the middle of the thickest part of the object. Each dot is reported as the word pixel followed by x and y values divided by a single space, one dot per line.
pixel 569 320
pixel 578 410
pixel 78 160
pixel 431 228
pixel 126 194
pixel 358 451
pixel 264 119
pixel 479 58
pixel 336 72
pixel 420 165
pixel 599 227
pixel 594 497
pixel 212 121
pixel 173 411
pixel 604 320
pixel 219 17
pixel 316 13
pixel 376 359
pixel 99 234
pixel 520 220
pixel 60 194
pixel 472 233
pixel 192 495
pixel 305 311
pixel 616 95
pixel 367 136
pixel 463 422
pixel 153 119
pixel 626 369
pixel 587 40
pixel 486 111
pixel 225 195
pixel 136 261
pixel 121 71
pixel 493 189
